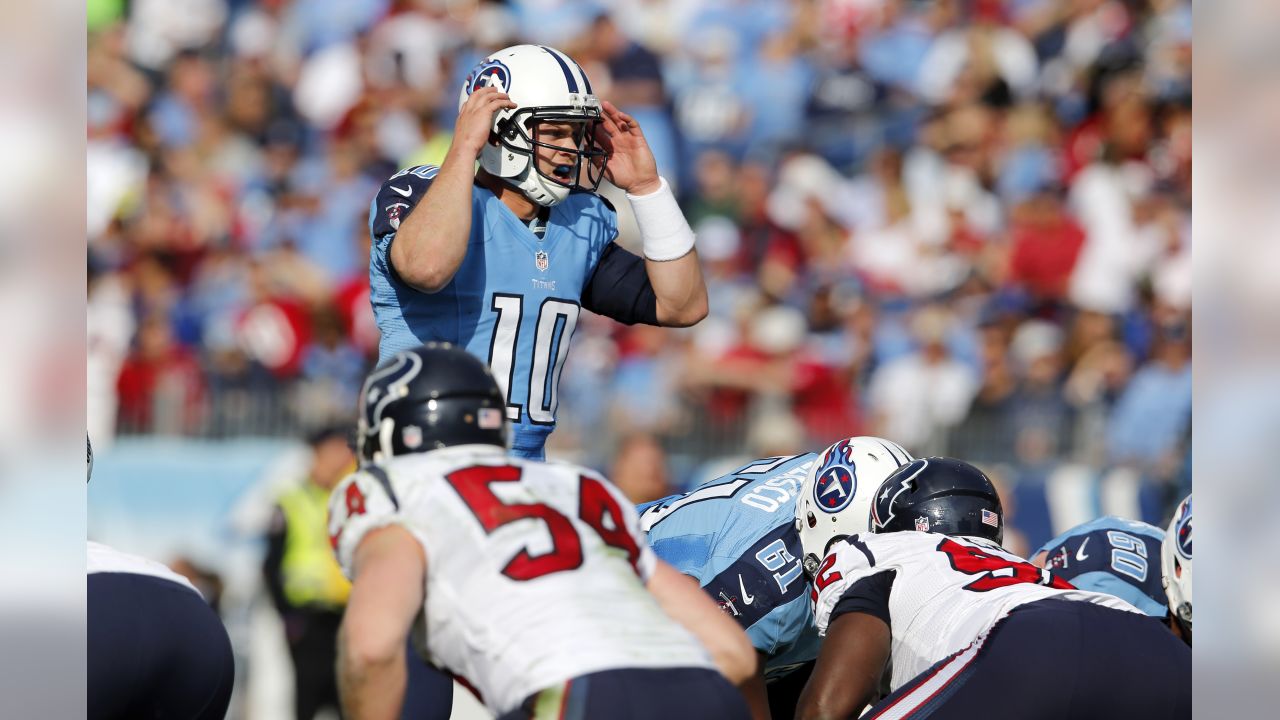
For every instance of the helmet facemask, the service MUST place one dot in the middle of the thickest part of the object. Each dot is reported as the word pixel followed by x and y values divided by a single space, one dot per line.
pixel 556 148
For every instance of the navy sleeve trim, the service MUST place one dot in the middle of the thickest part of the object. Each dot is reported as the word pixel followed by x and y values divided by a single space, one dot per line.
pixel 384 480
pixel 870 595
pixel 397 197
pixel 760 580
pixel 620 288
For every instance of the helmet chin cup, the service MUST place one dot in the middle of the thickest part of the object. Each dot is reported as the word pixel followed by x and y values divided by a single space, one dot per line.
pixel 538 188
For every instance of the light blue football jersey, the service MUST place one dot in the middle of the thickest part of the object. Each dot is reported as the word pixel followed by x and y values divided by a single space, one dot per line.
pixel 736 535
pixel 513 303
pixel 1114 556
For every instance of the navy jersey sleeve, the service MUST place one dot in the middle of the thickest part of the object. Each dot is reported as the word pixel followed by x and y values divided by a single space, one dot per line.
pixel 868 595
pixel 397 197
pixel 620 289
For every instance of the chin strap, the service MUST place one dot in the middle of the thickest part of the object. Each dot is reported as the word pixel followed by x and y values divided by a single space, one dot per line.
pixel 533 186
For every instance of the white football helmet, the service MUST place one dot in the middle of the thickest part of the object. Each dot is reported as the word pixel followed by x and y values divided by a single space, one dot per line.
pixel 547 87
pixel 1175 562
pixel 839 490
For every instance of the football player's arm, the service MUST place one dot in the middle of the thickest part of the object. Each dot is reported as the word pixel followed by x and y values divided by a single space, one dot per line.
pixel 848 670
pixel 683 601
pixel 854 652
pixel 386 595
pixel 671 263
pixel 755 692
pixel 431 243
pixel 680 289
pixel 623 287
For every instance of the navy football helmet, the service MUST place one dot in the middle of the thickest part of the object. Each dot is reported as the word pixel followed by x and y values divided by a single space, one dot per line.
pixel 430 397
pixel 941 495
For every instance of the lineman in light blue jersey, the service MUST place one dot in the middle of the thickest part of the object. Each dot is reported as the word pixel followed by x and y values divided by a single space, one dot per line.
pixel 748 538
pixel 501 261
pixel 1110 555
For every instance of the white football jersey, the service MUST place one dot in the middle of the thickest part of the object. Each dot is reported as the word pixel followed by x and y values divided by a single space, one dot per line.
pixel 105 559
pixel 535 571
pixel 946 591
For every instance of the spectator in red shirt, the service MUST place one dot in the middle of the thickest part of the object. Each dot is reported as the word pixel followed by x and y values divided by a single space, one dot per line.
pixel 159 385
pixel 1046 243
pixel 774 364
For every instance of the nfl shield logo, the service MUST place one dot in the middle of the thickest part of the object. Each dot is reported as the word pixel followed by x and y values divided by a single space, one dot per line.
pixel 541 260
pixel 922 524
pixel 412 436
pixel 394 213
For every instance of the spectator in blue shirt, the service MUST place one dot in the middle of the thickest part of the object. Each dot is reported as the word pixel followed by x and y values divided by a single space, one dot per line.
pixel 1152 415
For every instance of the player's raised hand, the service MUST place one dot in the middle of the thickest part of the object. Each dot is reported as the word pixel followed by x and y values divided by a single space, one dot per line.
pixel 475 120
pixel 631 165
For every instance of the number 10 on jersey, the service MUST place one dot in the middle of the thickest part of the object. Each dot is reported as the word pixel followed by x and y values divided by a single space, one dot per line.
pixel 556 322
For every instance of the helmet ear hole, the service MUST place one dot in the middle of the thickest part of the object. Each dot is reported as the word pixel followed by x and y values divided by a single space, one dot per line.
pixel 812 521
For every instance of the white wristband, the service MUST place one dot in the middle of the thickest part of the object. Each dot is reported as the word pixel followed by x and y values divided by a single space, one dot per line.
pixel 664 233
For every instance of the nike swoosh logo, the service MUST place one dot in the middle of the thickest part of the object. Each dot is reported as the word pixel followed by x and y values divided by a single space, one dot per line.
pixel 746 598
pixel 405 193
pixel 1080 556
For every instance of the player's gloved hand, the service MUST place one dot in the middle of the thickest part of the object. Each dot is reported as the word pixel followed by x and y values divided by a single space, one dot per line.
pixel 475 120
pixel 631 165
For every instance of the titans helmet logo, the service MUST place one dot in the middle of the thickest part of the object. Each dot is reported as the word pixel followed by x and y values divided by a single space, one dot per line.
pixel 490 73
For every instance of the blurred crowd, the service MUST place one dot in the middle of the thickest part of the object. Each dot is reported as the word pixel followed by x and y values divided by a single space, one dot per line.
pixel 960 224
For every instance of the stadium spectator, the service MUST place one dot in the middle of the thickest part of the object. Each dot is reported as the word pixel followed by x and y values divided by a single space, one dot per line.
pixel 1151 416
pixel 160 385
pixel 919 395
pixel 302 575
pixel 640 469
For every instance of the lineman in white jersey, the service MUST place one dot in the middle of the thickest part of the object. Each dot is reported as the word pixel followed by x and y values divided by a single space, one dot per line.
pixel 537 588
pixel 155 648
pixel 970 630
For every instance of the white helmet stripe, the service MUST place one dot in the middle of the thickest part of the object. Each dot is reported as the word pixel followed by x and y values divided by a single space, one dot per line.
pixel 894 448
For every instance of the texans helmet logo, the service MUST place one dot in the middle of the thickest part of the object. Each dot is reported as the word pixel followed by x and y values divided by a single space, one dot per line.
pixel 490 73
pixel 882 507
pixel 387 385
